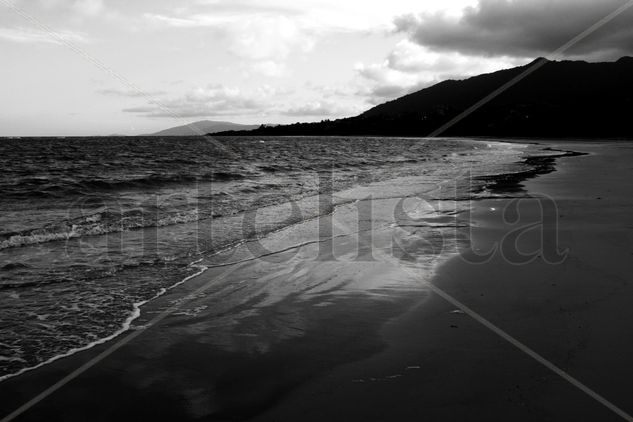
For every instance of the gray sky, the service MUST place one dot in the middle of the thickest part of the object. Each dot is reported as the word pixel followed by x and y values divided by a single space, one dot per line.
pixel 272 61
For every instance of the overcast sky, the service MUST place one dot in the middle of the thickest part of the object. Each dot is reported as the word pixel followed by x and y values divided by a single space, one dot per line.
pixel 83 67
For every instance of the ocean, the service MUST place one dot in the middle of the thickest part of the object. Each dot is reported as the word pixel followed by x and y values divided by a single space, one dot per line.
pixel 93 228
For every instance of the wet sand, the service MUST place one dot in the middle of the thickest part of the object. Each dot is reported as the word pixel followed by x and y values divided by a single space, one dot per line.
pixel 366 339
pixel 239 338
pixel 443 365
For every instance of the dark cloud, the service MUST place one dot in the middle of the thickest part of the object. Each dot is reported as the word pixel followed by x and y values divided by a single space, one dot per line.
pixel 525 28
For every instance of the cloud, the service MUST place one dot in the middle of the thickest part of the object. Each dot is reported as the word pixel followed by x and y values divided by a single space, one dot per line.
pixel 66 8
pixel 193 21
pixel 333 15
pixel 141 109
pixel 250 36
pixel 264 35
pixel 269 68
pixel 263 42
pixel 212 100
pixel 247 6
pixel 318 108
pixel 221 100
pixel 29 35
pixel 88 7
pixel 85 14
pixel 410 67
pixel 265 38
pixel 523 28
pixel 382 82
pixel 129 93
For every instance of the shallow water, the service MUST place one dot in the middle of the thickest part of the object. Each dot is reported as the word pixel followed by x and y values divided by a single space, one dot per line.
pixel 91 228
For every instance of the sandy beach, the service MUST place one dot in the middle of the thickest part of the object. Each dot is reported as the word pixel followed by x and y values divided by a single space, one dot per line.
pixel 363 335
pixel 443 365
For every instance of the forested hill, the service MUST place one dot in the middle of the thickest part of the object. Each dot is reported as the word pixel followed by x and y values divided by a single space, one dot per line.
pixel 559 99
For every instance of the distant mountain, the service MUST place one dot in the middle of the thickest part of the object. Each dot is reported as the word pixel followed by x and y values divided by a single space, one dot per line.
pixel 559 99
pixel 203 126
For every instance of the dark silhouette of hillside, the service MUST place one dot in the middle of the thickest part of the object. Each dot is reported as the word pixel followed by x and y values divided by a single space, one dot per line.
pixel 196 128
pixel 560 99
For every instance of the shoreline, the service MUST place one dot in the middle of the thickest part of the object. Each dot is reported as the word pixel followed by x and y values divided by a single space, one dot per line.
pixel 467 372
pixel 376 352
pixel 126 327
pixel 134 312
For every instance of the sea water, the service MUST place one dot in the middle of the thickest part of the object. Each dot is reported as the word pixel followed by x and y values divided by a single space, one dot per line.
pixel 91 229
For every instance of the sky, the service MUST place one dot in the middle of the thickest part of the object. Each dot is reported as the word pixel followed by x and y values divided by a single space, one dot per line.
pixel 100 67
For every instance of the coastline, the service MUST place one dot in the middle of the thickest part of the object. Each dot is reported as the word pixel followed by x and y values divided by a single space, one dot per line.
pixel 575 314
pixel 310 206
pixel 373 349
pixel 127 325
pixel 188 353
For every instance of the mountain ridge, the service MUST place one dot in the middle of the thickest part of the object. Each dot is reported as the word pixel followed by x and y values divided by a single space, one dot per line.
pixel 203 126
pixel 558 99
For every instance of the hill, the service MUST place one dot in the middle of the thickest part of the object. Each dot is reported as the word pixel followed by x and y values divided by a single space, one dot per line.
pixel 559 99
pixel 203 126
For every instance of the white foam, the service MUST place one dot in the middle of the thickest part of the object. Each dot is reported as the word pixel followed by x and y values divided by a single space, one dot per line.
pixel 126 326
pixel 95 228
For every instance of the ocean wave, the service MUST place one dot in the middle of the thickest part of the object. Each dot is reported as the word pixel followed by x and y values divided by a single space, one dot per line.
pixel 56 187
pixel 134 314
pixel 94 225
pixel 274 168
pixel 14 266
pixel 157 180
